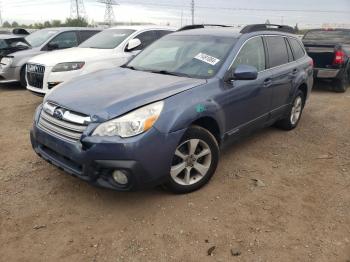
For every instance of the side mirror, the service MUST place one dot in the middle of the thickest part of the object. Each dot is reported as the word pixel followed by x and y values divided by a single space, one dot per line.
pixel 51 46
pixel 133 43
pixel 243 72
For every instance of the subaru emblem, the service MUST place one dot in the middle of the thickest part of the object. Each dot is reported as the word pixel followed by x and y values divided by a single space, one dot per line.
pixel 58 114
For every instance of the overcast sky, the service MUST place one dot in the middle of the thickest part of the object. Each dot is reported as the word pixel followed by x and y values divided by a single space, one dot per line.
pixel 308 13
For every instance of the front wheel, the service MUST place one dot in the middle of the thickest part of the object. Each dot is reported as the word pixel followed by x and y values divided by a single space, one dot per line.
pixel 294 114
pixel 195 161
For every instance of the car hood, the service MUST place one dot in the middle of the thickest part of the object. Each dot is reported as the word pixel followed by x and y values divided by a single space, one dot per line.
pixel 75 54
pixel 110 93
pixel 27 52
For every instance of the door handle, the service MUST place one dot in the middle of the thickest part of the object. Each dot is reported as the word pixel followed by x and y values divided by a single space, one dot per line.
pixel 295 71
pixel 267 82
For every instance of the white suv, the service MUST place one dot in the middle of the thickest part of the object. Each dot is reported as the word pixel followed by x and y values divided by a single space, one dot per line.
pixel 110 48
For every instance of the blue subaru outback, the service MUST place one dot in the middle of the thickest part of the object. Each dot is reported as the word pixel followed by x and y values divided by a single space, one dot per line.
pixel 163 117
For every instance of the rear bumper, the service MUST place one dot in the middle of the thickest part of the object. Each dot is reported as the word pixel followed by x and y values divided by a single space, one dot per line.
pixel 325 73
pixel 146 159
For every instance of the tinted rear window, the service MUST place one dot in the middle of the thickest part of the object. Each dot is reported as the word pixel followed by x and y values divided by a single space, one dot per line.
pixel 298 51
pixel 329 36
pixel 278 54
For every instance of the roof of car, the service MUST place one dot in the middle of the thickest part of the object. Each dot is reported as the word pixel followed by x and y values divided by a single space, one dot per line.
pixel 143 27
pixel 62 29
pixel 220 32
pixel 10 36
pixel 231 32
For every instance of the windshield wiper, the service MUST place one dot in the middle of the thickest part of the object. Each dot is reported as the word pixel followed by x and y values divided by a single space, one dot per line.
pixel 165 72
pixel 129 67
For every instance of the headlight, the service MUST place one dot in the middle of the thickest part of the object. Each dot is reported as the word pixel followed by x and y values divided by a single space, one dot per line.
pixel 68 66
pixel 6 61
pixel 131 124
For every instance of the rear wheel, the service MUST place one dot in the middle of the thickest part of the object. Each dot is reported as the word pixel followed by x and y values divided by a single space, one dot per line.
pixel 23 80
pixel 342 84
pixel 194 162
pixel 292 119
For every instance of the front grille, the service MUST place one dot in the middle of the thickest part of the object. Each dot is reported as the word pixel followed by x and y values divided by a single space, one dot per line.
pixel 35 75
pixel 62 123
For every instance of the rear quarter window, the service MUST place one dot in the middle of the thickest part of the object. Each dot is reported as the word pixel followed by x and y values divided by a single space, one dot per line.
pixel 298 50
pixel 277 51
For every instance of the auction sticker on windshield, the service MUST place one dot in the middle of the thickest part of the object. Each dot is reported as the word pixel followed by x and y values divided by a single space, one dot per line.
pixel 207 59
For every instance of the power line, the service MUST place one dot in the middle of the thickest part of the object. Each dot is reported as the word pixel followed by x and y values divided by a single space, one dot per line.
pixel 109 12
pixel 77 9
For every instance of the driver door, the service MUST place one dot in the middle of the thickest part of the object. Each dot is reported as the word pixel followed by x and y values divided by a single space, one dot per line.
pixel 247 103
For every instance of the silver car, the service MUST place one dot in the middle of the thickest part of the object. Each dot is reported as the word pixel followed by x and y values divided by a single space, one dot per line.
pixel 12 66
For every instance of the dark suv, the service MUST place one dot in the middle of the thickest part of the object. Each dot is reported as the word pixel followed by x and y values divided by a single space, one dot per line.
pixel 162 118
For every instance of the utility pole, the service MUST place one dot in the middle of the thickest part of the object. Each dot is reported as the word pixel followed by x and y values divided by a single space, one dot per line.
pixel 109 13
pixel 77 9
pixel 192 11
pixel 182 16
pixel 0 14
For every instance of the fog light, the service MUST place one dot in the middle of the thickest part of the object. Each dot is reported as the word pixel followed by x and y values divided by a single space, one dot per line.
pixel 120 177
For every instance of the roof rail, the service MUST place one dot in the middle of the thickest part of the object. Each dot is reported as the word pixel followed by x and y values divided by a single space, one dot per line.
pixel 190 27
pixel 267 27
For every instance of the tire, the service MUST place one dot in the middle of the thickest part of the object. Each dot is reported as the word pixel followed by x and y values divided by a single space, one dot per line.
pixel 184 176
pixel 294 113
pixel 23 80
pixel 342 84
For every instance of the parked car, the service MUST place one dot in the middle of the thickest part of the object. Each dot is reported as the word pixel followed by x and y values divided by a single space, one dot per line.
pixel 330 50
pixel 12 66
pixel 162 118
pixel 10 43
pixel 110 48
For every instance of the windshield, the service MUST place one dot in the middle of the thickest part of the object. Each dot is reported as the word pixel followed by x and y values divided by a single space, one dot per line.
pixel 107 39
pixel 334 36
pixel 39 37
pixel 191 56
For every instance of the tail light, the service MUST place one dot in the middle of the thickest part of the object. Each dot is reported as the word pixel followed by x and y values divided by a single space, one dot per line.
pixel 339 57
pixel 311 63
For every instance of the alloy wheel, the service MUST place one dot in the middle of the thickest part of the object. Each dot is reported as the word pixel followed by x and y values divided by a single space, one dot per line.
pixel 191 162
pixel 296 110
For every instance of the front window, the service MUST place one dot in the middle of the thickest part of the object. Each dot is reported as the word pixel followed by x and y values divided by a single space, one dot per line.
pixel 252 54
pixel 108 39
pixel 37 38
pixel 192 56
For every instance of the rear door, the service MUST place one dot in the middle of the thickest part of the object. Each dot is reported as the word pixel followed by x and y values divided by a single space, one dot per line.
pixel 283 73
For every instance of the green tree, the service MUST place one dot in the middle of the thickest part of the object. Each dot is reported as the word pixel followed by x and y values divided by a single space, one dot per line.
pixel 6 24
pixel 80 22
pixel 47 24
pixel 56 23
pixel 14 24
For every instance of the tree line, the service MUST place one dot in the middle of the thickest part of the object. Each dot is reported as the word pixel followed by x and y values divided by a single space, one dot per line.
pixel 74 22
